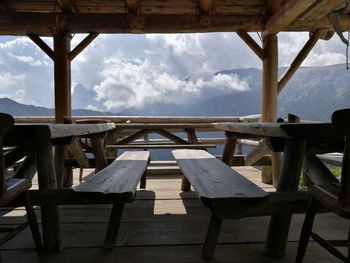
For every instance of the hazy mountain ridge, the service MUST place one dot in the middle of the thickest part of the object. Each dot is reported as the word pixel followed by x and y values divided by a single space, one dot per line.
pixel 17 109
pixel 313 93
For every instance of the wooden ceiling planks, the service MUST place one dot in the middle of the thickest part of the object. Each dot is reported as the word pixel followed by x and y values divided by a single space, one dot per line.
pixel 20 17
pixel 321 9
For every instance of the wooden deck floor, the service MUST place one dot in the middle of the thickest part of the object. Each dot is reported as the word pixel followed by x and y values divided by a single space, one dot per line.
pixel 164 225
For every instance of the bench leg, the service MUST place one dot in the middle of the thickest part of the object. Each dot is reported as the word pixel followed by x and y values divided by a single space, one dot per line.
pixel 306 231
pixel 185 184
pixel 33 223
pixel 143 181
pixel 212 237
pixel 113 225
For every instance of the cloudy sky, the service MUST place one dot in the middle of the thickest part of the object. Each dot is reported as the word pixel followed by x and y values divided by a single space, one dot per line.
pixel 130 70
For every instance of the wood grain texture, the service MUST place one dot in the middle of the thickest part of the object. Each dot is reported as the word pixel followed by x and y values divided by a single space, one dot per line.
pixel 166 16
pixel 310 131
pixel 286 14
pixel 213 179
pixel 161 146
pixel 120 177
pixel 137 119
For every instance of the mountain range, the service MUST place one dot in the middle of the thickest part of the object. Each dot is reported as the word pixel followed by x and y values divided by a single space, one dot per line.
pixel 17 109
pixel 313 93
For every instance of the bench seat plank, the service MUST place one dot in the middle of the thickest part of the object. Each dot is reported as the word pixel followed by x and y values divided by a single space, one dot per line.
pixel 226 192
pixel 120 177
pixel 214 181
pixel 161 146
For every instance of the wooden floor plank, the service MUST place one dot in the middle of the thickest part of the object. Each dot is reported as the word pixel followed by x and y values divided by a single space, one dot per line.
pixel 240 253
pixel 164 225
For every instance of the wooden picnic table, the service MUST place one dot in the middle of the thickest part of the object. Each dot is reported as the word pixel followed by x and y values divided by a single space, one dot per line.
pixel 296 140
pixel 39 139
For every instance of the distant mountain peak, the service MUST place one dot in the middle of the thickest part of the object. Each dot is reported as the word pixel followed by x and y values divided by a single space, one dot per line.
pixel 14 108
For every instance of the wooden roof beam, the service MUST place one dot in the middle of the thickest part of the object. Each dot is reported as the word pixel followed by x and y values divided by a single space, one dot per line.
pixel 205 6
pixel 132 5
pixel 252 44
pixel 49 24
pixel 3 7
pixel 82 45
pixel 286 14
pixel 321 9
pixel 42 45
pixel 67 6
pixel 299 59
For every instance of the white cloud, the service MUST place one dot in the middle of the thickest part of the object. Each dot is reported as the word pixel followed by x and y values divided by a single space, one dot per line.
pixel 130 70
pixel 130 85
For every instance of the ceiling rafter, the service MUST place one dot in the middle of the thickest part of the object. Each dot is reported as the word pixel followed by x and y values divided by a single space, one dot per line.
pixel 321 9
pixel 67 6
pixel 205 6
pixel 286 14
pixel 132 5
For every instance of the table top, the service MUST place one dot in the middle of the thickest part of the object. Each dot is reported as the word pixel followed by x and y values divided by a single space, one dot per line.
pixel 155 126
pixel 317 131
pixel 24 131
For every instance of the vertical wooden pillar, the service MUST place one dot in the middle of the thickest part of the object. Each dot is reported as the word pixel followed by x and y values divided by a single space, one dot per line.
pixel 269 91
pixel 62 72
pixel 62 77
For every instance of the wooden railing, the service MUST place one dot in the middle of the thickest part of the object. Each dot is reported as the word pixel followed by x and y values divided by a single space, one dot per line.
pixel 182 131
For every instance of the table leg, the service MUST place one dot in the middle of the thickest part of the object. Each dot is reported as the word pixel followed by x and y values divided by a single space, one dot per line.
pixel 99 152
pixel 277 236
pixel 192 138
pixel 229 148
pixel 47 181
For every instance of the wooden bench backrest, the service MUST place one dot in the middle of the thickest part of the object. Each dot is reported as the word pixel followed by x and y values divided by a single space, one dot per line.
pixel 212 179
pixel 341 120
pixel 120 177
pixel 6 123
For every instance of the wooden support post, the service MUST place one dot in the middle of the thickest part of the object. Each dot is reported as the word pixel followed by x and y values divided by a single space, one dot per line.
pixel 229 148
pixel 299 59
pixel 269 91
pixel 62 77
pixel 113 225
pixel 99 152
pixel 276 241
pixel 252 44
pixel 47 181
pixel 192 138
pixel 212 237
pixel 82 45
pixel 63 106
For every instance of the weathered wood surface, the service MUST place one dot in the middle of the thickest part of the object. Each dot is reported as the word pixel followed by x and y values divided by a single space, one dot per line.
pixel 18 17
pixel 169 166
pixel 229 148
pixel 98 150
pixel 161 146
pixel 39 137
pixel 316 171
pixel 47 181
pixel 312 131
pixel 136 119
pixel 332 158
pixel 78 153
pixel 257 153
pixel 57 130
pixel 120 177
pixel 212 179
pixel 276 240
pixel 286 14
pixel 163 126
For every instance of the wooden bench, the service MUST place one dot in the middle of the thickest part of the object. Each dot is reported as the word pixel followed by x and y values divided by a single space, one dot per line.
pixel 118 181
pixel 161 146
pixel 226 192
